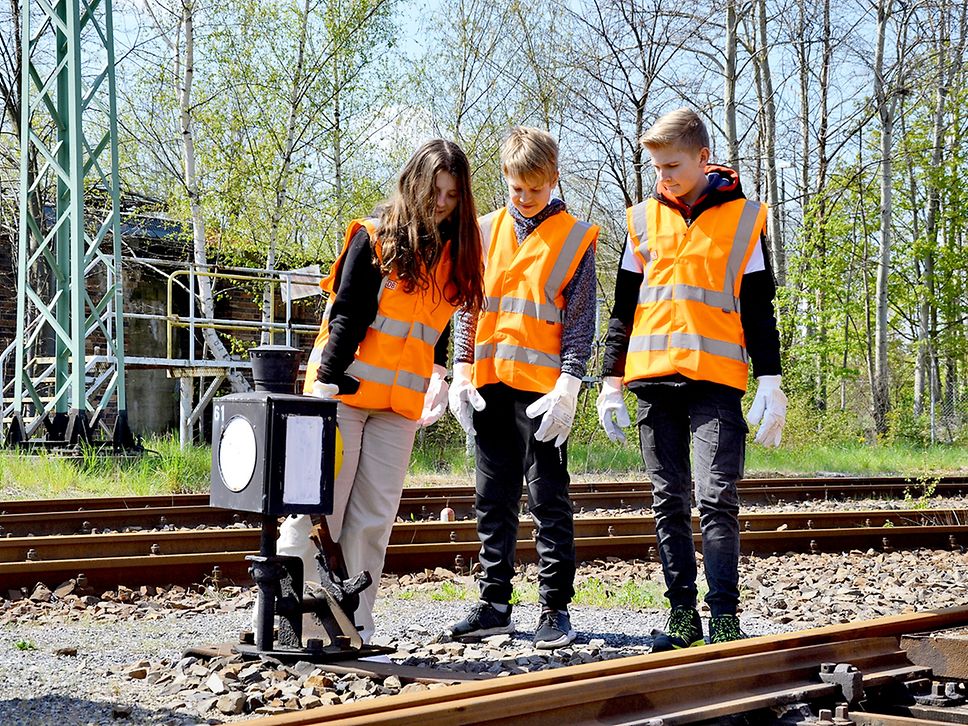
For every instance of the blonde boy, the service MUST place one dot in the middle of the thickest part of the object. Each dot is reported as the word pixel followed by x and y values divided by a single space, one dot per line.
pixel 693 303
pixel 517 373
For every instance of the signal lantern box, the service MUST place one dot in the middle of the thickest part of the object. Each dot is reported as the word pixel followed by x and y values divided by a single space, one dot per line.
pixel 273 453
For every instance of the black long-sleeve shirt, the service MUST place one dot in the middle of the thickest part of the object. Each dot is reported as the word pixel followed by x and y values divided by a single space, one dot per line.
pixel 757 291
pixel 354 308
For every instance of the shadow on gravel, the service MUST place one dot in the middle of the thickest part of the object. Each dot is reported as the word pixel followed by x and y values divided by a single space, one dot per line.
pixel 59 710
pixel 615 640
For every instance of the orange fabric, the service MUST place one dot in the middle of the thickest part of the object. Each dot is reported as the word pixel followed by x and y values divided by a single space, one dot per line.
pixel 518 339
pixel 396 357
pixel 687 320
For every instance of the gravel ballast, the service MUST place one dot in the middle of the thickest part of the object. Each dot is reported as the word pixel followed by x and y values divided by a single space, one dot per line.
pixel 90 660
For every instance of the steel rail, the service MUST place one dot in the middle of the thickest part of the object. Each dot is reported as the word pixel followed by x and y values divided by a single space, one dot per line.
pixel 889 484
pixel 58 558
pixel 680 687
pixel 63 516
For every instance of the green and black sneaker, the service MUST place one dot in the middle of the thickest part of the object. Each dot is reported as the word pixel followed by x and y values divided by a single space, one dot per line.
pixel 725 628
pixel 684 630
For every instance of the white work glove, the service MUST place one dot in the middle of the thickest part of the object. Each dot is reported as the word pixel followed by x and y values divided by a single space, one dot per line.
pixel 435 400
pixel 558 408
pixel 612 413
pixel 326 391
pixel 464 398
pixel 769 404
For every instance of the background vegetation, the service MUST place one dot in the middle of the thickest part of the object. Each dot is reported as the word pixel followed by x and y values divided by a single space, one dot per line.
pixel 849 119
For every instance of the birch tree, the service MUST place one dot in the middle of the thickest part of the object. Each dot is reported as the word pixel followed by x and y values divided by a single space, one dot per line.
pixel 180 41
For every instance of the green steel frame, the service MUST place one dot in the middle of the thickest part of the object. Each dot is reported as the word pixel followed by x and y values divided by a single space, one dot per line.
pixel 69 293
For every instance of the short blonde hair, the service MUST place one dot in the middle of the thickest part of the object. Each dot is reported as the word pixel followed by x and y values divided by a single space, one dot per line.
pixel 681 129
pixel 529 153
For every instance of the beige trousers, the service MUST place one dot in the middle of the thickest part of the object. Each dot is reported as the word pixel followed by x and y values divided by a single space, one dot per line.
pixel 376 454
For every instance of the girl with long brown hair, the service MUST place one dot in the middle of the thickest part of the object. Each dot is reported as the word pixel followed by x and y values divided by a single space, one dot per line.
pixel 382 348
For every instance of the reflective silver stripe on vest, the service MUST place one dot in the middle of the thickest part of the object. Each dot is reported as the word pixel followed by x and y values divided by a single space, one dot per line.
pixel 327 310
pixel 744 230
pixel 386 376
pixel 402 329
pixel 316 355
pixel 390 326
pixel 651 294
pixel 425 333
pixel 688 341
pixel 640 227
pixel 506 351
pixel 546 312
pixel 569 251
pixel 406 379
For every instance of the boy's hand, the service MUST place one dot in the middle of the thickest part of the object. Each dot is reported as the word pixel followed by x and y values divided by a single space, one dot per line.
pixel 435 400
pixel 612 413
pixel 769 404
pixel 558 408
pixel 464 398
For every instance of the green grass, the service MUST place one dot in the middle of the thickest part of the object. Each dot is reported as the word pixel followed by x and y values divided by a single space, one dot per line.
pixel 165 469
pixel 594 592
pixel 898 458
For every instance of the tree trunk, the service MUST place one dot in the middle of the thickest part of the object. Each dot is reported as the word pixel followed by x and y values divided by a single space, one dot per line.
pixel 885 112
pixel 729 92
pixel 211 338
pixel 282 185
pixel 768 131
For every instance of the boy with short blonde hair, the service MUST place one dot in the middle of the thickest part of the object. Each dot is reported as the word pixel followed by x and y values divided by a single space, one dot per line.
pixel 530 154
pixel 693 303
pixel 517 372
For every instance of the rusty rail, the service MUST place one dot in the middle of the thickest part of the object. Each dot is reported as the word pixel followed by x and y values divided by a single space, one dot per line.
pixel 681 687
pixel 149 557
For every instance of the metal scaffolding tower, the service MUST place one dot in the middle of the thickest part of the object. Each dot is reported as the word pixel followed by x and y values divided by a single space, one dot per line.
pixel 69 376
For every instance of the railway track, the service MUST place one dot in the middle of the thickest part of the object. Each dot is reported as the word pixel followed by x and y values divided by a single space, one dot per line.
pixel 185 557
pixel 93 514
pixel 867 667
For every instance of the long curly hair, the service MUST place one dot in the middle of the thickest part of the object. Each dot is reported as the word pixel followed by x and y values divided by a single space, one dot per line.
pixel 411 240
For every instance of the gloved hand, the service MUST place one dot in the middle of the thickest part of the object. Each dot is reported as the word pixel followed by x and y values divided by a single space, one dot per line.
pixel 435 400
pixel 612 413
pixel 464 398
pixel 769 404
pixel 327 391
pixel 558 408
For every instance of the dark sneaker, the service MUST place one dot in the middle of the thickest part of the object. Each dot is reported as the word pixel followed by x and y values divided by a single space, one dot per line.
pixel 725 628
pixel 684 630
pixel 483 620
pixel 554 630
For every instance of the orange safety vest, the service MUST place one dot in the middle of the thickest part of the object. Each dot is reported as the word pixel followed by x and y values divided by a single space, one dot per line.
pixel 396 357
pixel 687 320
pixel 518 338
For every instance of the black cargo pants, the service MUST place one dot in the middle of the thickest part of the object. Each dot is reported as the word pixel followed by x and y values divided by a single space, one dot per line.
pixel 708 414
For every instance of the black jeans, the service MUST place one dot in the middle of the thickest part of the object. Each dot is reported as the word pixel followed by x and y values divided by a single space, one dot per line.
pixel 710 414
pixel 508 453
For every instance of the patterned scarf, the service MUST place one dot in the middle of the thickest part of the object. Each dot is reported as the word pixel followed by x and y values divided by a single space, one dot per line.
pixel 523 226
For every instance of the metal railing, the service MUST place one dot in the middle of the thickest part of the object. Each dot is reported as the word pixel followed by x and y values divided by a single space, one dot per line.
pixel 185 276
